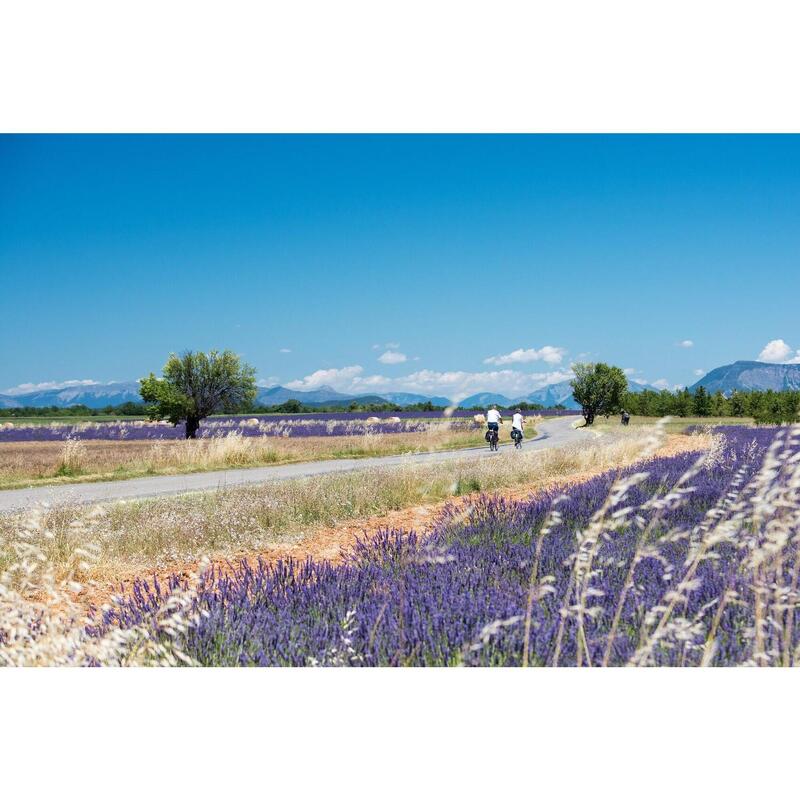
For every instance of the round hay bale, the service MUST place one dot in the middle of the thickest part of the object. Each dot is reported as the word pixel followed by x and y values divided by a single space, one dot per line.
pixel 479 418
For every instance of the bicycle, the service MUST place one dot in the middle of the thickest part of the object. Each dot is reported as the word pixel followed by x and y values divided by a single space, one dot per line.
pixel 516 435
pixel 493 437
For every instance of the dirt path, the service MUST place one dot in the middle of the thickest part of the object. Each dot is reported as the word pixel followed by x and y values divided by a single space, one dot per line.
pixel 331 543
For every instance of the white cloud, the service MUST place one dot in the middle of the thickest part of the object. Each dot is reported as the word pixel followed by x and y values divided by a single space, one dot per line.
pixel 391 345
pixel 268 382
pixel 24 388
pixel 686 343
pixel 392 357
pixel 661 383
pixel 548 354
pixel 699 372
pixel 454 384
pixel 338 378
pixel 284 350
pixel 629 371
pixel 778 352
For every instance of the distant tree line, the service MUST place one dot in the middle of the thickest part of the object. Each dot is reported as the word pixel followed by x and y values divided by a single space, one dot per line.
pixel 128 409
pixel 765 407
pixel 293 406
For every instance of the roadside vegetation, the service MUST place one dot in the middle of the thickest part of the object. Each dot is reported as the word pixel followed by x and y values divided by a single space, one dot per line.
pixel 50 559
pixel 70 461
pixel 677 562
pixel 153 533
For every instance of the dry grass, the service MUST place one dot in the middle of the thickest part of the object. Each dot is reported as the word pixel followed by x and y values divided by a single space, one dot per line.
pixel 44 623
pixel 23 463
pixel 49 557
pixel 153 534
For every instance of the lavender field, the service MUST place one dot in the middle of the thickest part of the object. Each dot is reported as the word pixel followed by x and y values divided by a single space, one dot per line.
pixel 294 425
pixel 677 562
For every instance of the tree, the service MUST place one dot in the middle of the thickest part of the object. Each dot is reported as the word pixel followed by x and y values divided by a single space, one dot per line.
pixel 719 405
pixel 737 404
pixel 702 402
pixel 291 406
pixel 196 385
pixel 684 403
pixel 598 389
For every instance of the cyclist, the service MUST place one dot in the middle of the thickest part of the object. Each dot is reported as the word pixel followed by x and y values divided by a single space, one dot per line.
pixel 493 419
pixel 517 424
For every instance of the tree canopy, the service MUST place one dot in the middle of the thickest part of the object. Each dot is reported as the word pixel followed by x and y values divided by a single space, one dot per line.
pixel 765 406
pixel 598 389
pixel 196 385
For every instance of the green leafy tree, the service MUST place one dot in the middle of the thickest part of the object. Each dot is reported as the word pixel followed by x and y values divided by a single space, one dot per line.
pixel 684 403
pixel 719 405
pixel 598 389
pixel 291 406
pixel 738 404
pixel 196 385
pixel 702 402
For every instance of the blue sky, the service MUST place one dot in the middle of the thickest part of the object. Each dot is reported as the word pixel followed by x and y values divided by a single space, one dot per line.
pixel 475 262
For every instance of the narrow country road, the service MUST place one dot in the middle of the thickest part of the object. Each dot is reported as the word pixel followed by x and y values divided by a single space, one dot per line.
pixel 552 433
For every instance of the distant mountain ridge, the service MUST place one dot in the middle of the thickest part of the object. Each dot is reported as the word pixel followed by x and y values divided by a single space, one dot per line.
pixel 275 395
pixel 743 376
pixel 739 376
pixel 93 396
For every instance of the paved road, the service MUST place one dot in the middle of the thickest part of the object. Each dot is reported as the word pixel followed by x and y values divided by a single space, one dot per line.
pixel 552 433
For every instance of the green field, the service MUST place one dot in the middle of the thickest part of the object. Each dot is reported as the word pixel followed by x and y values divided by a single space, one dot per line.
pixel 675 425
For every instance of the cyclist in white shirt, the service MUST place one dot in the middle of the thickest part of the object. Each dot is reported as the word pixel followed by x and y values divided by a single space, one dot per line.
pixel 493 419
pixel 517 422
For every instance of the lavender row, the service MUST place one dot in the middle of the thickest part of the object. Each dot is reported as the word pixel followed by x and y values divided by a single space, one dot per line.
pixel 664 585
pixel 217 427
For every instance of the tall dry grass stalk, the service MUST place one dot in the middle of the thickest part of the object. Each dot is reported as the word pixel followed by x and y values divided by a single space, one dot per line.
pixel 72 457
pixel 42 624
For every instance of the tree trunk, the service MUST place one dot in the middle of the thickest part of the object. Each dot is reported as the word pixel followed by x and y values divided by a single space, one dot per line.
pixel 192 426
pixel 588 417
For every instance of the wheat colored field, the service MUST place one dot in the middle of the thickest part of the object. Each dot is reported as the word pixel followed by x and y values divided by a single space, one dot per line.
pixel 24 463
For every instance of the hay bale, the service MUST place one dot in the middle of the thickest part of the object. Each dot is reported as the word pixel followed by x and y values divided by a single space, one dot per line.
pixel 479 418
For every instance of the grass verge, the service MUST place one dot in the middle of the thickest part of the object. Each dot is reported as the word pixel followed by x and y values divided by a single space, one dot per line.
pixel 153 534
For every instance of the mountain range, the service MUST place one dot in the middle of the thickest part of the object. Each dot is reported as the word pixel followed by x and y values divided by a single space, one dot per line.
pixel 94 396
pixel 739 376
pixel 746 376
